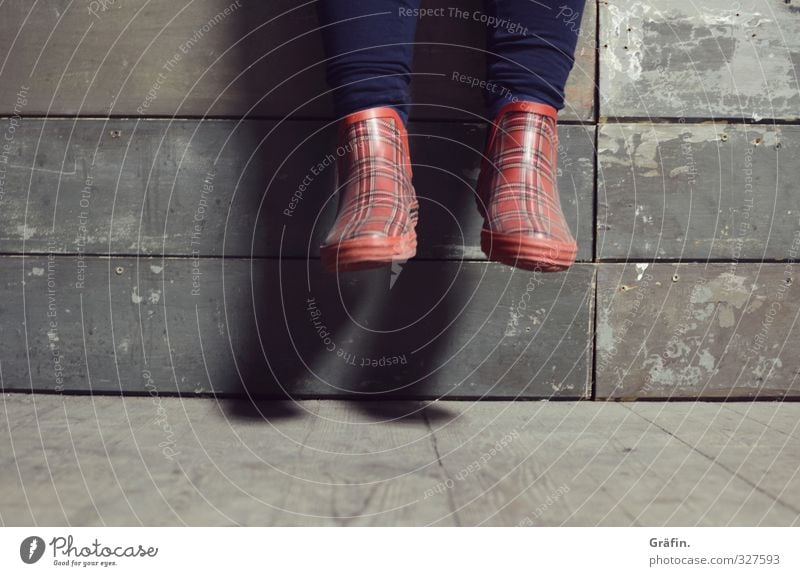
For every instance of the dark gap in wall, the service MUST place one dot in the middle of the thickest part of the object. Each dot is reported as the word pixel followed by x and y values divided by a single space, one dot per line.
pixel 595 209
pixel 265 118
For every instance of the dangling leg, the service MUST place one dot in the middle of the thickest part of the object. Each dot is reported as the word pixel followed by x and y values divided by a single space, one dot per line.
pixel 531 55
pixel 532 51
pixel 369 44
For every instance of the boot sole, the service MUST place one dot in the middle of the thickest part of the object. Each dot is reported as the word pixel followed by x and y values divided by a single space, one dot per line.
pixel 365 253
pixel 527 253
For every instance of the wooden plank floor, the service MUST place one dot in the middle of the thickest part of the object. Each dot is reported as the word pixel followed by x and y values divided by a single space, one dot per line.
pixel 80 460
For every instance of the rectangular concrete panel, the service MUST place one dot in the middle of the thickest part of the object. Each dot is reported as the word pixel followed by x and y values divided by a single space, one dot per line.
pixel 264 327
pixel 724 330
pixel 714 59
pixel 263 188
pixel 697 191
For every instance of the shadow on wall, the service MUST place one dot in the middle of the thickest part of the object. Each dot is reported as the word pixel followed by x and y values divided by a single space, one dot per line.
pixel 438 325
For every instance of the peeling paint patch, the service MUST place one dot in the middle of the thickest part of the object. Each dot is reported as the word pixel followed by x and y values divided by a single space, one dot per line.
pixel 154 297
pixel 726 287
pixel 26 232
pixel 706 360
pixel 622 31
pixel 726 317
pixel 765 367
pixel 124 227
pixel 755 304
pixel 702 313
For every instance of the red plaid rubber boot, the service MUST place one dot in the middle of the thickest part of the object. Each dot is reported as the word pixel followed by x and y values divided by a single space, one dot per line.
pixel 517 191
pixel 377 205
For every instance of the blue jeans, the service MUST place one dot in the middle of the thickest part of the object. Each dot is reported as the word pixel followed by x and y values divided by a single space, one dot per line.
pixel 369 45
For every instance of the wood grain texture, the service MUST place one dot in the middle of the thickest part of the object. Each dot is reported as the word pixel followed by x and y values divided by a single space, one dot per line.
pixel 603 464
pixel 425 329
pixel 714 59
pixel 190 58
pixel 697 191
pixel 204 462
pixel 156 461
pixel 741 445
pixel 231 188
pixel 778 417
pixel 726 330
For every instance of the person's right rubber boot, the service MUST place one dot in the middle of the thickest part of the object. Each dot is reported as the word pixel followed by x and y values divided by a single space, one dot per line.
pixel 524 225
pixel 377 210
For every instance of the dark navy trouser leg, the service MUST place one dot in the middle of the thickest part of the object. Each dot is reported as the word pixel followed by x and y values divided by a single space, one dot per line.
pixel 369 43
pixel 531 50
pixel 370 46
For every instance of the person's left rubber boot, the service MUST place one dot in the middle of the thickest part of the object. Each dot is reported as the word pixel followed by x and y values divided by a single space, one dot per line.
pixel 524 225
pixel 378 208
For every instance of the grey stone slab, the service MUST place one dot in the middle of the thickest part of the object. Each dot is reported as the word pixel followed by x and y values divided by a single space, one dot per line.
pixel 698 191
pixel 425 329
pixel 191 58
pixel 723 330
pixel 222 187
pixel 713 59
